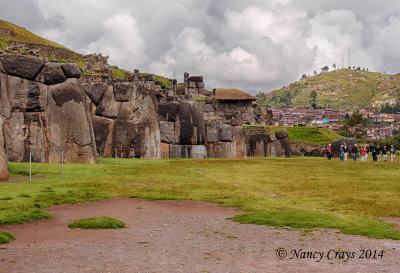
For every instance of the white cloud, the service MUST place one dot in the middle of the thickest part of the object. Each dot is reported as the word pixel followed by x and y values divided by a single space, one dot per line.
pixel 253 45
pixel 122 41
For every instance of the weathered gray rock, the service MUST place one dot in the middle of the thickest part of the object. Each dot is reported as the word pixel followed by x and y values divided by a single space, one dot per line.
pixel 297 153
pixel 108 107
pixel 69 125
pixel 198 151
pixel 281 134
pixel 3 157
pixel 167 131
pixel 51 74
pixel 103 132
pixel 23 95
pixel 95 91
pixel 212 135
pixel 225 133
pixel 71 70
pixel 179 151
pixel 336 144
pixel 276 149
pixel 208 108
pixel 137 126
pixel 286 146
pixel 238 145
pixel 123 91
pixel 26 67
pixel 168 111
pixel 222 150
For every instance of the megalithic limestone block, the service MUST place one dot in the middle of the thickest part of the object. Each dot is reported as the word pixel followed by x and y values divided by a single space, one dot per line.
pixel 3 158
pixel 70 127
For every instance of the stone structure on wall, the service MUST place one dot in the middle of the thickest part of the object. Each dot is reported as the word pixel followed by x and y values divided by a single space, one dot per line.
pixel 182 129
pixel 44 111
pixel 194 85
pixel 215 129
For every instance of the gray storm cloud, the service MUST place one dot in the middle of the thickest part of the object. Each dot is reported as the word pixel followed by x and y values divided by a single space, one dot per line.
pixel 252 45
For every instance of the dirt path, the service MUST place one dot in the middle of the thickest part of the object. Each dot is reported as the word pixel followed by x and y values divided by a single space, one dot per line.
pixel 179 236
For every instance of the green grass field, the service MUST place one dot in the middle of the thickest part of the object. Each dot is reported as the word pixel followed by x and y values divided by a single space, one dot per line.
pixel 97 223
pixel 295 192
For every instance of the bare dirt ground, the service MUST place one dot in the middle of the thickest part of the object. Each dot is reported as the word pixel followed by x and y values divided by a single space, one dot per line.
pixel 181 236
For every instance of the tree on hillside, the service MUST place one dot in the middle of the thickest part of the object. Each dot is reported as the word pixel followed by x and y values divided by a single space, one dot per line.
pixel 334 66
pixel 315 73
pixel 303 77
pixel 313 96
pixel 355 119
pixel 325 68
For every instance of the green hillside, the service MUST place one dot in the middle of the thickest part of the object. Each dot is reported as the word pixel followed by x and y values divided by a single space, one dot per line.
pixel 312 135
pixel 343 88
pixel 10 32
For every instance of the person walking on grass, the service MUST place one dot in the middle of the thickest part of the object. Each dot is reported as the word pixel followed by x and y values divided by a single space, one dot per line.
pixel 373 151
pixel 341 152
pixel 392 153
pixel 378 153
pixel 384 152
pixel 354 151
pixel 364 153
pixel 329 151
pixel 346 151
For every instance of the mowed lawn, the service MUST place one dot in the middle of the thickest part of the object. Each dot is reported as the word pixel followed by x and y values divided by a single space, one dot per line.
pixel 296 192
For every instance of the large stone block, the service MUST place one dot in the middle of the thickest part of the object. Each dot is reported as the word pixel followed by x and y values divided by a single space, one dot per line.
pixel 167 131
pixel 103 131
pixel 225 133
pixel 25 95
pixel 108 107
pixel 238 145
pixel 137 126
pixel 281 134
pixel 276 149
pixel 198 151
pixel 208 108
pixel 222 150
pixel 51 74
pixel 95 91
pixel 71 70
pixel 179 151
pixel 168 111
pixel 123 91
pixel 3 157
pixel 286 146
pixel 69 124
pixel 26 67
pixel 212 135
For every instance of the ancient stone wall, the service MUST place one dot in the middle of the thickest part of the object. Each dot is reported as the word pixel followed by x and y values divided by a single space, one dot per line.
pixel 44 111
pixel 124 117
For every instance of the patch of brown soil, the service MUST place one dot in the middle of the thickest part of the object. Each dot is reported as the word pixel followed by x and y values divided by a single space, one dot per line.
pixel 178 236
pixel 393 220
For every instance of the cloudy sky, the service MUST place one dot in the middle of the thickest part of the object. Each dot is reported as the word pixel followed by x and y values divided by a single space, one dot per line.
pixel 253 45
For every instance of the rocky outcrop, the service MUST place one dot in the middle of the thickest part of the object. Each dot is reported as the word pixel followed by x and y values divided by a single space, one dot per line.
pixel 307 149
pixel 341 141
pixel 44 112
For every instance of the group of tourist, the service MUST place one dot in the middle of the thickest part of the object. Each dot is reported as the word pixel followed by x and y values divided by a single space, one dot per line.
pixel 376 151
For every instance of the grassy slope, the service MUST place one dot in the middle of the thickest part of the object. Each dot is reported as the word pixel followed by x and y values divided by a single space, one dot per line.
pixel 97 223
pixel 297 192
pixel 312 135
pixel 357 89
pixel 23 35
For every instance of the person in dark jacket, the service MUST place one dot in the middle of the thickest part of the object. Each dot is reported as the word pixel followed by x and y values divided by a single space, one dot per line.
pixel 354 151
pixel 372 148
pixel 329 151
pixel 341 152
pixel 384 152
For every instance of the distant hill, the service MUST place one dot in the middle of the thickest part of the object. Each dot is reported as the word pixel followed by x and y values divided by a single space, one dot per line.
pixel 10 32
pixel 342 88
